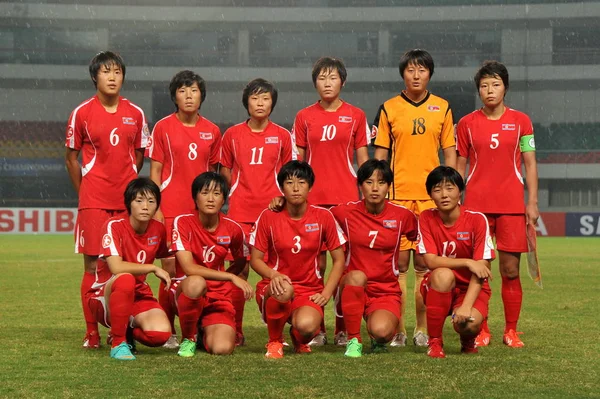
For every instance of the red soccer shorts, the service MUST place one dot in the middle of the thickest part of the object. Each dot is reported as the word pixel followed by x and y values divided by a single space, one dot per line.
pixel 297 301
pixel 88 230
pixel 458 296
pixel 217 310
pixel 391 303
pixel 510 232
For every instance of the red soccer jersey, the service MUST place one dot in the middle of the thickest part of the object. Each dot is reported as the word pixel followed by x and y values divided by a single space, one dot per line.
pixel 254 160
pixel 468 238
pixel 107 142
pixel 185 152
pixel 119 239
pixel 209 248
pixel 374 240
pixel 293 246
pixel 494 182
pixel 330 139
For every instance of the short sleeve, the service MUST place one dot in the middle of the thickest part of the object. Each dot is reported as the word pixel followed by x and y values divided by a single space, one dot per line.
pixel 409 227
pixel 215 147
pixel 361 132
pixel 142 136
pixel 526 126
pixel 181 235
pixel 288 149
pixel 447 138
pixel 259 236
pixel 334 236
pixel 299 131
pixel 111 239
pixel 483 246
pixel 156 151
pixel 226 158
pixel 463 144
pixel 237 247
pixel 163 250
pixel 382 138
pixel 426 243
pixel 74 133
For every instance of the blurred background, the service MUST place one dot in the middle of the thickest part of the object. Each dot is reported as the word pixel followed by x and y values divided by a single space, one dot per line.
pixel 551 49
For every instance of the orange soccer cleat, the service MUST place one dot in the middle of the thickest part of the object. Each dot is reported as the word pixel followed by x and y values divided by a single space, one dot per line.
pixel 511 338
pixel 274 350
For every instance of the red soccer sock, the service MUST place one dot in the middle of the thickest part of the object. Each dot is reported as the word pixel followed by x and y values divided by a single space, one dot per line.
pixel 512 297
pixel 239 302
pixel 299 338
pixel 484 326
pixel 121 305
pixel 190 310
pixel 164 299
pixel 353 308
pixel 151 338
pixel 276 314
pixel 438 307
pixel 86 285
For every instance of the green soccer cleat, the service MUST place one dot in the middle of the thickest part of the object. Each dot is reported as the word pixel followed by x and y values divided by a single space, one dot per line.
pixel 122 352
pixel 377 347
pixel 353 348
pixel 187 348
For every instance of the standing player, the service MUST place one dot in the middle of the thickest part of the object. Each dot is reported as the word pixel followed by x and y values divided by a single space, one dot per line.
pixel 410 129
pixel 253 152
pixel 202 241
pixel 120 294
pixel 327 134
pixel 183 145
pixel 370 286
pixel 495 140
pixel 292 287
pixel 457 247
pixel 111 134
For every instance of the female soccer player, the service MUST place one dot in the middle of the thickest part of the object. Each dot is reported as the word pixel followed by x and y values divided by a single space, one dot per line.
pixel 130 244
pixel 328 133
pixel 292 287
pixel 201 241
pixel 495 140
pixel 456 245
pixel 183 145
pixel 370 286
pixel 253 152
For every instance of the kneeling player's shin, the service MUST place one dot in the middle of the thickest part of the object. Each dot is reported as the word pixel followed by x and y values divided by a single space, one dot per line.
pixel 276 314
pixel 438 307
pixel 353 308
pixel 120 306
pixel 151 338
pixel 190 310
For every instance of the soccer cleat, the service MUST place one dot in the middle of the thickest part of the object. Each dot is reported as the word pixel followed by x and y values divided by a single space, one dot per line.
pixel 483 339
pixel 299 347
pixel 187 348
pixel 91 340
pixel 399 339
pixel 468 346
pixel 172 342
pixel 436 348
pixel 130 340
pixel 122 352
pixel 511 338
pixel 274 350
pixel 353 348
pixel 319 340
pixel 420 339
pixel 340 339
pixel 240 340
pixel 377 347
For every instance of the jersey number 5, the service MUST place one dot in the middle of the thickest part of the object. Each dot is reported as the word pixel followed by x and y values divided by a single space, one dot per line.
pixel 495 143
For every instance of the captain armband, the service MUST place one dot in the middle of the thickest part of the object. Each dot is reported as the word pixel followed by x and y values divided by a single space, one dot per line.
pixel 527 143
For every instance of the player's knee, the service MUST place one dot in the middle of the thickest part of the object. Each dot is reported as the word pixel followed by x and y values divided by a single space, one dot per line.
pixel 124 282
pixel 382 332
pixel 441 279
pixel 222 347
pixel 194 287
pixel 511 272
pixel 403 267
pixel 90 263
pixel 307 326
pixel 355 278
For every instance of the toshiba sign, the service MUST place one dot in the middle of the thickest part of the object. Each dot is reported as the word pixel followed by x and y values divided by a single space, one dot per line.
pixel 37 220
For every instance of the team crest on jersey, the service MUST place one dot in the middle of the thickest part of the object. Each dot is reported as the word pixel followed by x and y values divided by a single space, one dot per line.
pixel 272 140
pixel 205 136
pixel 69 132
pixel 463 236
pixel 310 227
pixel 106 241
pixel 174 236
pixel 433 108
pixel 223 240
pixel 152 240
pixel 146 131
pixel 345 119
pixel 128 120
pixel 390 224
pixel 374 132
pixel 490 243
pixel 508 126
pixel 149 144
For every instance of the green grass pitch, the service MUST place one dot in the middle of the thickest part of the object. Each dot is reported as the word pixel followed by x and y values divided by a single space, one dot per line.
pixel 41 327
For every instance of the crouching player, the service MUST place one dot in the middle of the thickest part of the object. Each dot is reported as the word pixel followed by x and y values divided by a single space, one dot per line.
pixel 202 241
pixel 457 247
pixel 130 245
pixel 292 288
pixel 370 287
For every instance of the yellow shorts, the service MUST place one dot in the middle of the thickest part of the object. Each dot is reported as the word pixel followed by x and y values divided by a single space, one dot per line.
pixel 416 207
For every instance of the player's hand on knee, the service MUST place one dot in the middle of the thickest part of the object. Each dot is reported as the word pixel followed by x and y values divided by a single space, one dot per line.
pixel 278 284
pixel 462 315
pixel 244 286
pixel 479 269
pixel 164 276
pixel 319 299
pixel 277 204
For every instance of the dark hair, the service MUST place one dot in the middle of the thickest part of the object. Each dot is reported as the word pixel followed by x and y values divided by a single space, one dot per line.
pixel 187 79
pixel 367 169
pixel 205 180
pixel 105 58
pixel 443 174
pixel 492 69
pixel 416 57
pixel 327 64
pixel 143 186
pixel 298 169
pixel 259 86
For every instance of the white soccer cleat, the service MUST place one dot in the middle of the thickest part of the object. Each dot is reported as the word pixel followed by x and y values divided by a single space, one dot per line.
pixel 319 340
pixel 420 339
pixel 172 342
pixel 399 340
pixel 340 339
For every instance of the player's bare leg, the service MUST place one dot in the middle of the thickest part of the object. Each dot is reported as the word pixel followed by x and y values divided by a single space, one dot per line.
pixel 420 333
pixel 168 264
pixel 92 336
pixel 382 325
pixel 512 296
pixel 306 323
pixel 468 332
pixel 403 262
pixel 277 310
pixel 219 339
pixel 353 286
pixel 239 303
pixel 321 338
